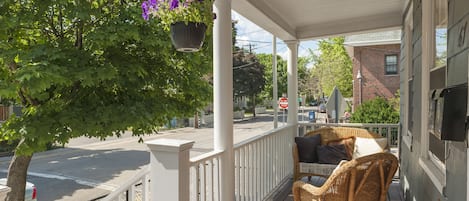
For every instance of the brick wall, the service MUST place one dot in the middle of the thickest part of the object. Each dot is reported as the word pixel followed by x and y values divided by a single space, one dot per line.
pixel 370 61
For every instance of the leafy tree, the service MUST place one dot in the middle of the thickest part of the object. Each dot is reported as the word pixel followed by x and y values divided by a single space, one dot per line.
pixel 248 77
pixel 377 110
pixel 282 79
pixel 89 68
pixel 305 86
pixel 333 67
pixel 282 83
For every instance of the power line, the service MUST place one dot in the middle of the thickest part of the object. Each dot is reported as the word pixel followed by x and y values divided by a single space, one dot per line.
pixel 259 30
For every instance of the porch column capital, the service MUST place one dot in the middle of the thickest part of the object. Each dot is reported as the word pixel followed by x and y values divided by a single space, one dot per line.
pixel 291 42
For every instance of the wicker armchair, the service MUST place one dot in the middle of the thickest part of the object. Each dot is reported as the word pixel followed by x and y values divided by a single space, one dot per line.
pixel 328 134
pixel 363 179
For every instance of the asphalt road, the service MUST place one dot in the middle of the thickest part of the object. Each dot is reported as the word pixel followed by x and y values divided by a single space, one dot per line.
pixel 88 168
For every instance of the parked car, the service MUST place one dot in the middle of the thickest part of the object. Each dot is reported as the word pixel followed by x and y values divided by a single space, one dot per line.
pixel 30 193
pixel 322 108
pixel 313 103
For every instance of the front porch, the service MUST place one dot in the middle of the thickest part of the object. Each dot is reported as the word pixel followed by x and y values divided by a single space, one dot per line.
pixel 263 167
pixel 257 168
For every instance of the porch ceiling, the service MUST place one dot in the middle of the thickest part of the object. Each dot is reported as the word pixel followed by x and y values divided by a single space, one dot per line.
pixel 309 19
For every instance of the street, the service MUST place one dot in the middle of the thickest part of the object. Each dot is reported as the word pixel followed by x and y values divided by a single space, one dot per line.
pixel 88 168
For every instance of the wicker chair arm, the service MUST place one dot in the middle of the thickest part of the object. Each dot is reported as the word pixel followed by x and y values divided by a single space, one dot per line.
pixel 304 190
pixel 296 161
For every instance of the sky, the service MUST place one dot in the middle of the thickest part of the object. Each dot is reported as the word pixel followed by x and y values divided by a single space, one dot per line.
pixel 261 40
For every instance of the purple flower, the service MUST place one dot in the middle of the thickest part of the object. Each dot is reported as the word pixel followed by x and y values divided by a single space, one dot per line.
pixel 153 5
pixel 174 4
pixel 145 10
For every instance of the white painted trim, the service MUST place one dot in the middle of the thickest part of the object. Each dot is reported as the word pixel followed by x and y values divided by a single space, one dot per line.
pixel 407 141
pixel 292 76
pixel 373 42
pixel 427 60
pixel 385 21
pixel 434 173
pixel 223 97
pixel 408 30
pixel 435 170
pixel 274 80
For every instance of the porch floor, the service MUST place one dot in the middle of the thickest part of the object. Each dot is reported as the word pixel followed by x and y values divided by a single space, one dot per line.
pixel 394 192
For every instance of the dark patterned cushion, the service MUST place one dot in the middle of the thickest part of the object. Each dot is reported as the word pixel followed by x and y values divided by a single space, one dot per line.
pixel 349 145
pixel 332 154
pixel 307 148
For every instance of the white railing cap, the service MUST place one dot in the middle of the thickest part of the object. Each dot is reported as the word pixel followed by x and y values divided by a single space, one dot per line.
pixel 170 145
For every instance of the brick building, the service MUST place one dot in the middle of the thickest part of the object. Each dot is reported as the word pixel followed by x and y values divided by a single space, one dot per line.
pixel 375 58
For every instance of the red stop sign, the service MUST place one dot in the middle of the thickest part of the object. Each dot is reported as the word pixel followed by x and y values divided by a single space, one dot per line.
pixel 283 103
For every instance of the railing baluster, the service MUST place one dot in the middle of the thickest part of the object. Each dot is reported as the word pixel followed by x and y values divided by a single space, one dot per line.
pixel 146 188
pixel 131 191
pixel 246 174
pixel 212 175
pixel 237 175
pixel 204 186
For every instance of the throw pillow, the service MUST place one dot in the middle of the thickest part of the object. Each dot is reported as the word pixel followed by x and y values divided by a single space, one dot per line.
pixel 368 146
pixel 307 148
pixel 349 145
pixel 332 154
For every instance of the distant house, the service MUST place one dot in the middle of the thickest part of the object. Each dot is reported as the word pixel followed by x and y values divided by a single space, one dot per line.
pixel 375 58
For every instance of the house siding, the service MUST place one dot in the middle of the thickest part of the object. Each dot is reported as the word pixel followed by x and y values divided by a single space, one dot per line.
pixel 371 62
pixel 415 181
pixel 458 53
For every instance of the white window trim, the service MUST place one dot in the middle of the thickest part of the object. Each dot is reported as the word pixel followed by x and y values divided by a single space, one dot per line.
pixel 430 164
pixel 408 30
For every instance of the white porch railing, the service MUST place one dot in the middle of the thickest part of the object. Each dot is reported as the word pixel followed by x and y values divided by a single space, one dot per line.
pixel 262 164
pixel 391 131
pixel 135 189
pixel 205 176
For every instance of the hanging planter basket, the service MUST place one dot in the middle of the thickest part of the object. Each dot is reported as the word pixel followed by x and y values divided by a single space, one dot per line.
pixel 188 37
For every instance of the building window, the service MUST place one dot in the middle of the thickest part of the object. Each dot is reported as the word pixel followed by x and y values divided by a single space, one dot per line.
pixel 390 64
pixel 436 146
pixel 440 27
pixel 434 20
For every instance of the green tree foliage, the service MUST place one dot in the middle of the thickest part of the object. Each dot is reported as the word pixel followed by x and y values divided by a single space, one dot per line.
pixel 282 79
pixel 333 67
pixel 304 76
pixel 248 76
pixel 378 110
pixel 282 83
pixel 90 68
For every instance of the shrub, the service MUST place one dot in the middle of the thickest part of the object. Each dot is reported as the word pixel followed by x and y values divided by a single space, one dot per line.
pixel 378 110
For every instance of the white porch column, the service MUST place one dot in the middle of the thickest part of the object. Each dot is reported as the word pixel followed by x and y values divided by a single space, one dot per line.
pixel 223 97
pixel 292 75
pixel 274 80
pixel 169 164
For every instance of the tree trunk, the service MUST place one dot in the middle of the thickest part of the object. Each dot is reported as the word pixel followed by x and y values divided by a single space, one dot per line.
pixel 17 177
pixel 196 120
pixel 254 105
